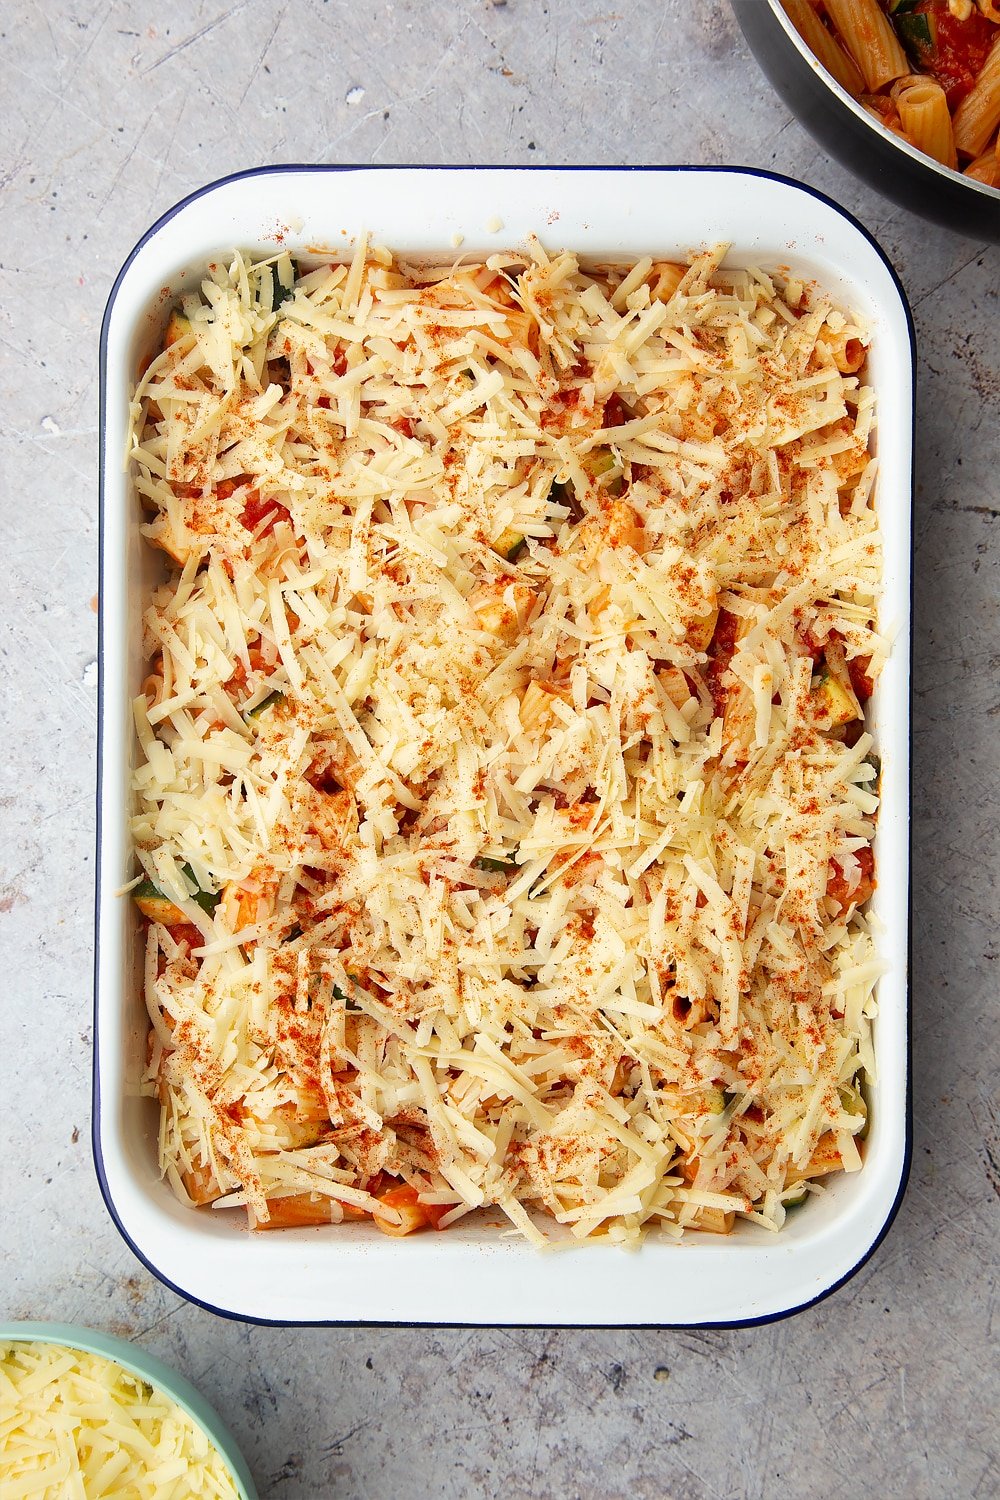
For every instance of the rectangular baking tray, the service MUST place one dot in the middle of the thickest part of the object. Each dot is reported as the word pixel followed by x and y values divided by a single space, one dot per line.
pixel 476 1274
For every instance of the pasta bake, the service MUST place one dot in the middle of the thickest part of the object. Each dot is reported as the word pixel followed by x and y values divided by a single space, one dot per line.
pixel 503 800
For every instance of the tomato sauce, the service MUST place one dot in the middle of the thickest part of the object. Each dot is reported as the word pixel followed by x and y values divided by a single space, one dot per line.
pixel 836 885
pixel 959 49
pixel 227 487
pixel 720 654
pixel 257 509
pixel 187 932
pixel 862 684
pixel 615 414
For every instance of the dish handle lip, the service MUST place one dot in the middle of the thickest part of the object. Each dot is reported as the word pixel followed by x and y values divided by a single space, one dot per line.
pixel 285 169
pixel 291 168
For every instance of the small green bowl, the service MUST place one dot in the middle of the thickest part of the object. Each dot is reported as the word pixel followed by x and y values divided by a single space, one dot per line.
pixel 148 1368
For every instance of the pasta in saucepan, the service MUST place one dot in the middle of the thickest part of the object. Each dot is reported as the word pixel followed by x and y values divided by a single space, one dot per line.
pixel 929 70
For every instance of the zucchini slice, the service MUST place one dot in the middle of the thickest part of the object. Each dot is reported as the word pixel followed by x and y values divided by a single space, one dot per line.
pixel 601 461
pixel 265 703
pixel 852 1103
pixel 207 900
pixel 510 544
pixel 834 705
pixel 495 866
pixel 279 292
pixel 178 327
pixel 156 906
pixel 917 30
pixel 795 1197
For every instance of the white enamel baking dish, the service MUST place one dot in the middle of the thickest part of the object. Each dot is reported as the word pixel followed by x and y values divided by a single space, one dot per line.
pixel 474 1273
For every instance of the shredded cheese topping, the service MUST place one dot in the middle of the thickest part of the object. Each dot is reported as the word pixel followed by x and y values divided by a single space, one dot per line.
pixel 77 1426
pixel 502 777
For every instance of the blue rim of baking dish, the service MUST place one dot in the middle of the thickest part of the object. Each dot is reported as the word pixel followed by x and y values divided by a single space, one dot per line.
pixel 288 168
pixel 139 1362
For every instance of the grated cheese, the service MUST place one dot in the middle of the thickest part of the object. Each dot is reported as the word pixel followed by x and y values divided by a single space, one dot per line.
pixel 504 690
pixel 77 1424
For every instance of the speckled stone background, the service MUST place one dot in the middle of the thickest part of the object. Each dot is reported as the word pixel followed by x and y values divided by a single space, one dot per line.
pixel 113 111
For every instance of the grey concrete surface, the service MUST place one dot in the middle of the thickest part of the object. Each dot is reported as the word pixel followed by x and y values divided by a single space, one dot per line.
pixel 111 112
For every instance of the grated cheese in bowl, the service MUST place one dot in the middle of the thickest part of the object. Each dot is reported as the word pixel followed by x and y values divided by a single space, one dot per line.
pixel 75 1424
pixel 504 799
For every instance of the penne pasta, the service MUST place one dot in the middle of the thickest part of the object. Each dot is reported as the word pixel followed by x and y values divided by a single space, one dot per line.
pixel 201 1184
pixel 846 350
pixel 986 169
pixel 870 39
pixel 824 46
pixel 301 1211
pixel 713 1221
pixel 978 115
pixel 665 277
pixel 923 114
pixel 883 109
